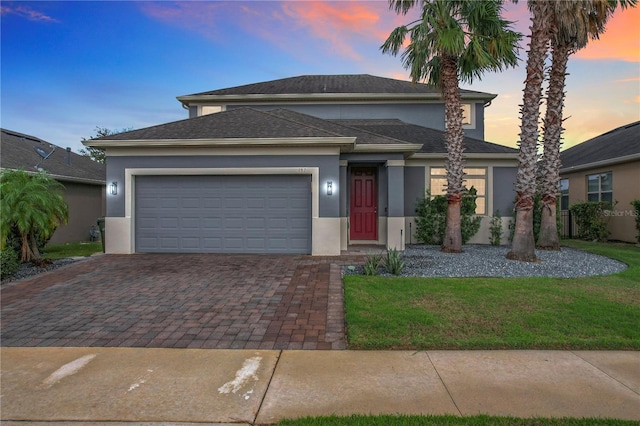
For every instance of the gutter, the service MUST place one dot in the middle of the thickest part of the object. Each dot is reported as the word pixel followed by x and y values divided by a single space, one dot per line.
pixel 328 97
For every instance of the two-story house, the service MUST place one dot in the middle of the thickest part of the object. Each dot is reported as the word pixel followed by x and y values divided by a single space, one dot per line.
pixel 307 164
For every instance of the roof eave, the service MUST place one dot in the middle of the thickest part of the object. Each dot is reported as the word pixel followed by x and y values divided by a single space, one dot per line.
pixel 469 155
pixel 301 97
pixel 346 142
pixel 63 178
pixel 602 163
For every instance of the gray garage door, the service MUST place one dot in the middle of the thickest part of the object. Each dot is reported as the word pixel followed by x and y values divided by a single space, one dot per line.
pixel 223 214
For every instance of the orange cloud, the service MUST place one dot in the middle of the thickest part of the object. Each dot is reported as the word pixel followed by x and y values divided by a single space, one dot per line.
pixel 621 40
pixel 337 22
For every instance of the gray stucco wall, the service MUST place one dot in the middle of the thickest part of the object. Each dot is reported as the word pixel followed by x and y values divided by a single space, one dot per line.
pixel 423 114
pixel 504 193
pixel 327 164
pixel 414 178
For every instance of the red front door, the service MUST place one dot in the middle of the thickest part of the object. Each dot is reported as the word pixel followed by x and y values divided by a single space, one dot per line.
pixel 363 220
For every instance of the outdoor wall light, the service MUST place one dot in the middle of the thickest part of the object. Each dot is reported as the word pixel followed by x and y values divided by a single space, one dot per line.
pixel 329 188
pixel 113 188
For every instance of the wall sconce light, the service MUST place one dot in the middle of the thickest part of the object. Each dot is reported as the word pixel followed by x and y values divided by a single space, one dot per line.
pixel 329 188
pixel 113 188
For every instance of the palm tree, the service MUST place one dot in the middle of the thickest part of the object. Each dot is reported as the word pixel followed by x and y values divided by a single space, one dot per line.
pixel 523 244
pixel 33 205
pixel 574 22
pixel 453 41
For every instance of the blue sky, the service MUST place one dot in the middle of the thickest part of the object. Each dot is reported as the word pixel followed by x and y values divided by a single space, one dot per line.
pixel 67 67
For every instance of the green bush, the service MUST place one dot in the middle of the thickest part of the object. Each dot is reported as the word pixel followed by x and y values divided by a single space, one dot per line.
pixel 590 219
pixel 394 262
pixel 495 229
pixel 8 262
pixel 636 206
pixel 432 215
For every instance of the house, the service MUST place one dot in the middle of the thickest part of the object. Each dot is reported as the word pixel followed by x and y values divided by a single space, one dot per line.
pixel 307 164
pixel 605 168
pixel 83 179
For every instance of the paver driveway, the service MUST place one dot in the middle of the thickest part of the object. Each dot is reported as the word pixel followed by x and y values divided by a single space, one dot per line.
pixel 181 301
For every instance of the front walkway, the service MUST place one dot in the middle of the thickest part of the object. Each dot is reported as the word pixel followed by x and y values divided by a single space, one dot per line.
pixel 181 301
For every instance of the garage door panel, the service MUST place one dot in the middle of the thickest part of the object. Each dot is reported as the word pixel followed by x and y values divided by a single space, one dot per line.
pixel 232 214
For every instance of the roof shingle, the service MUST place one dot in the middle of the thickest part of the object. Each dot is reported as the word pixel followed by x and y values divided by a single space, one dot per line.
pixel 620 142
pixel 336 84
pixel 19 151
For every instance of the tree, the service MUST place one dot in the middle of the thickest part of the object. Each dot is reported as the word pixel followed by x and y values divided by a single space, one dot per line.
pixel 574 23
pixel 33 205
pixel 97 154
pixel 523 243
pixel 453 41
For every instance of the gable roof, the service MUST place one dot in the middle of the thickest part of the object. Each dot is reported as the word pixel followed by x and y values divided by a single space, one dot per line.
pixel 242 125
pixel 352 86
pixel 432 141
pixel 248 126
pixel 615 146
pixel 21 151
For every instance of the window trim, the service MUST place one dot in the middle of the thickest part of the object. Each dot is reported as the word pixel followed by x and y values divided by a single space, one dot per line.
pixel 599 192
pixel 484 177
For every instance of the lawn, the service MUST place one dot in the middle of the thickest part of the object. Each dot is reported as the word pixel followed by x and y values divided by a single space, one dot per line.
pixel 499 313
pixel 482 420
pixel 61 251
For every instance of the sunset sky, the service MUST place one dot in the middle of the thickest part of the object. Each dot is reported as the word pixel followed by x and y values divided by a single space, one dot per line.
pixel 67 67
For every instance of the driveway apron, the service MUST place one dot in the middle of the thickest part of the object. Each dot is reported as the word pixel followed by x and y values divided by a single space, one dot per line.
pixel 181 301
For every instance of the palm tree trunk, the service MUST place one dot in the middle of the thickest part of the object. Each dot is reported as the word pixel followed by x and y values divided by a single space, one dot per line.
pixel 523 244
pixel 550 164
pixel 455 164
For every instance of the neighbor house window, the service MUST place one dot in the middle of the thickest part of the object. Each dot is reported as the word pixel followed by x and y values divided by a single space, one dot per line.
pixel 600 187
pixel 476 177
pixel 564 194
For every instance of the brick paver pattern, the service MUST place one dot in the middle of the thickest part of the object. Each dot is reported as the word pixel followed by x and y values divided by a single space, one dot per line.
pixel 181 301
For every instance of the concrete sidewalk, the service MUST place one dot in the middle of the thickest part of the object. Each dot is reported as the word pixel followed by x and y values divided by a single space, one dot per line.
pixel 261 387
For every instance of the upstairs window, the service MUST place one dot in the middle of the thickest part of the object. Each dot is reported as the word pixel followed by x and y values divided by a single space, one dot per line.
pixel 476 177
pixel 600 187
pixel 466 115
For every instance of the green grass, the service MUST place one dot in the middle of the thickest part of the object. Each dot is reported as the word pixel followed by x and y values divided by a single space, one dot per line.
pixel 361 420
pixel 499 313
pixel 61 251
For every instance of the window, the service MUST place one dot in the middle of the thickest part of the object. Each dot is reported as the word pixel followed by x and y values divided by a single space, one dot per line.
pixel 211 109
pixel 564 194
pixel 466 115
pixel 476 177
pixel 600 187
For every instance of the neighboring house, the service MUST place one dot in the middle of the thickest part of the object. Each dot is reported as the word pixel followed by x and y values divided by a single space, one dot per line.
pixel 605 168
pixel 82 178
pixel 307 164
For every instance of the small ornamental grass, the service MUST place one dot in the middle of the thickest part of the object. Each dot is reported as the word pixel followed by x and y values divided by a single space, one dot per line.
pixel 394 262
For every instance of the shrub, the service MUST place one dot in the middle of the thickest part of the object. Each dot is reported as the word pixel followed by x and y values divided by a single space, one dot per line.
pixel 636 206
pixel 432 215
pixel 8 262
pixel 371 264
pixel 590 219
pixel 394 262
pixel 496 229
